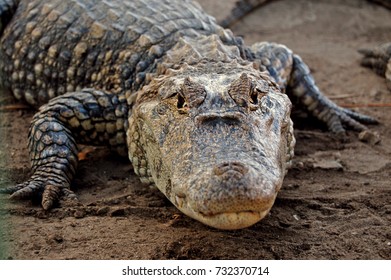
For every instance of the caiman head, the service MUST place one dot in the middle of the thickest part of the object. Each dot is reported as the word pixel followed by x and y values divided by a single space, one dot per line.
pixel 215 139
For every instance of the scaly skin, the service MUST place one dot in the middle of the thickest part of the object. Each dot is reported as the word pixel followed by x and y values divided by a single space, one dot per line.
pixel 379 58
pixel 241 9
pixel 200 114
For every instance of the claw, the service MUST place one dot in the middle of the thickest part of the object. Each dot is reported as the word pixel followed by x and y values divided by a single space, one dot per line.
pixel 11 190
pixel 360 117
pixel 353 123
pixel 354 120
pixel 68 194
pixel 69 199
pixel 365 51
pixel 50 195
pixel 335 126
pixel 25 191
pixel 377 64
pixel 381 51
pixel 342 118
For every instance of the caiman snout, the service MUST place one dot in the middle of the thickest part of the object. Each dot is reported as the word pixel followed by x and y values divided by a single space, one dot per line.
pixel 229 194
pixel 227 170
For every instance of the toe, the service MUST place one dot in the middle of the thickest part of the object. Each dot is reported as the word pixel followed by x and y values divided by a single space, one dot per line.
pixel 27 191
pixel 50 196
pixel 11 190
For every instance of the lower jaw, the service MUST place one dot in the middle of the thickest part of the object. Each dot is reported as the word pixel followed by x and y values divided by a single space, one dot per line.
pixel 230 220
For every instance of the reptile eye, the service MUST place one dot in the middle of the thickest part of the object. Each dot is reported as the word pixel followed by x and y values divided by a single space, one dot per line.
pixel 182 104
pixel 191 95
pixel 254 96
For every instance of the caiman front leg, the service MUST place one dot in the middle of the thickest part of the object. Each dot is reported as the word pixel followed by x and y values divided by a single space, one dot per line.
pixel 89 117
pixel 294 78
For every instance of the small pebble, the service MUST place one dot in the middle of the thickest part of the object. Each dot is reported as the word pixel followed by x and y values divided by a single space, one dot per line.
pixel 79 214
pixel 371 137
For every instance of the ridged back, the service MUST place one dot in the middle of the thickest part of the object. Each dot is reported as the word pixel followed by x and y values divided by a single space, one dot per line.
pixel 58 46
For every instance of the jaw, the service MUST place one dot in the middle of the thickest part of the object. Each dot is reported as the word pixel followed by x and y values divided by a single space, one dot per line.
pixel 231 210
pixel 228 220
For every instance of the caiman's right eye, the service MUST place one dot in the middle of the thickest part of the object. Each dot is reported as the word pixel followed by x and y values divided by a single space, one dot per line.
pixel 182 105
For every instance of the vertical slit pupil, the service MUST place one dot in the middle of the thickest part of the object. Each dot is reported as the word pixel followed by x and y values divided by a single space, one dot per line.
pixel 254 97
pixel 181 101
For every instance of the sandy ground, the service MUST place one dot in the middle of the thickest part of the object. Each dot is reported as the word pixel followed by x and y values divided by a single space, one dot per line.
pixel 334 204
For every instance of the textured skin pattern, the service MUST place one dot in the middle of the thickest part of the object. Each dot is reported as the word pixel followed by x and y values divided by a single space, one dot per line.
pixel 201 115
pixel 241 9
pixel 233 139
pixel 53 47
pixel 293 76
pixel 379 58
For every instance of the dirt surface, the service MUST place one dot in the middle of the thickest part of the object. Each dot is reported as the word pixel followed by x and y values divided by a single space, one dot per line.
pixel 334 204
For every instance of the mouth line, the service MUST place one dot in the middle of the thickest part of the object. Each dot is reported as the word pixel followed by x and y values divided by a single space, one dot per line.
pixel 228 220
pixel 228 213
pixel 182 204
pixel 232 220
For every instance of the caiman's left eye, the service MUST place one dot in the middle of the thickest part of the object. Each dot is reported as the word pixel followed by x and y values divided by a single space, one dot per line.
pixel 191 95
pixel 254 96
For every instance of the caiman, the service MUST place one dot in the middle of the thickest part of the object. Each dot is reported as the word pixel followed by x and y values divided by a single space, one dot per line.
pixel 201 115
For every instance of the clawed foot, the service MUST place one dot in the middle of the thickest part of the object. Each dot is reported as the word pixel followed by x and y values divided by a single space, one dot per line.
pixel 49 192
pixel 377 58
pixel 341 118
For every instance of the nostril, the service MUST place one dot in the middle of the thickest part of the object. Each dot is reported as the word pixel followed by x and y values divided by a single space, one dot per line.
pixel 231 118
pixel 228 167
